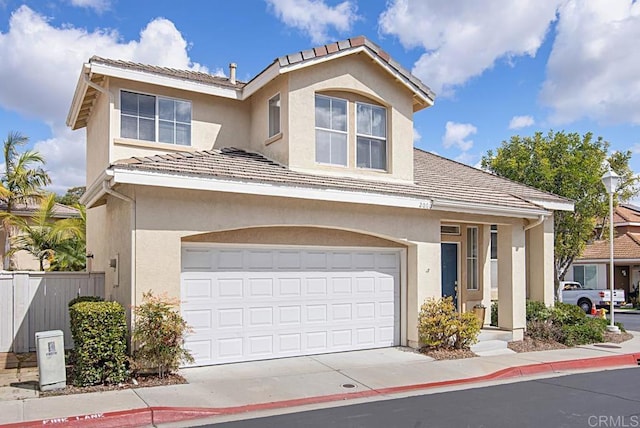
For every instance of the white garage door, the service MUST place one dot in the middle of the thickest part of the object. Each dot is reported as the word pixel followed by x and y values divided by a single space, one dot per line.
pixel 258 303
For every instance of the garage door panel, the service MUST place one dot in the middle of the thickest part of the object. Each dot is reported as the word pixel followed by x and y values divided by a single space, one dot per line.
pixel 257 304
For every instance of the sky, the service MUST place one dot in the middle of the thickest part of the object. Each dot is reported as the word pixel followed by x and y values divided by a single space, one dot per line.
pixel 499 68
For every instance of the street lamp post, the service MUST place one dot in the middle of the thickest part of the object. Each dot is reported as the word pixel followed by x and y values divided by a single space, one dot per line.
pixel 610 180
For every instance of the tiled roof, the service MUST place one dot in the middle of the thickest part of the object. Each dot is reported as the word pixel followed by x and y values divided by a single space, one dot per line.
pixel 626 213
pixel 194 76
pixel 352 43
pixel 435 177
pixel 625 246
pixel 59 210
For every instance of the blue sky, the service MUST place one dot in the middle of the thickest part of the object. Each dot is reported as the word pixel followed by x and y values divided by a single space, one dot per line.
pixel 499 68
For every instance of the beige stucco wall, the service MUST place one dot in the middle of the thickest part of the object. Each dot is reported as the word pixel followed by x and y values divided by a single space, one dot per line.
pixel 278 146
pixel 98 137
pixel 215 122
pixel 96 242
pixel 357 74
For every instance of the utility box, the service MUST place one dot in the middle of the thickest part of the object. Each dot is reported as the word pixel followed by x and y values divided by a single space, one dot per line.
pixel 51 364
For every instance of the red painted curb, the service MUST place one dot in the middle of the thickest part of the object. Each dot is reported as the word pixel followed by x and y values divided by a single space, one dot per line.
pixel 156 415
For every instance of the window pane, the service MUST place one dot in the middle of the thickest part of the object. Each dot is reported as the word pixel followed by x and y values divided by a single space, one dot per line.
pixel 338 114
pixel 378 154
pixel 183 111
pixel 128 127
pixel 274 115
pixel 146 105
pixel 364 119
pixel 494 244
pixel 147 129
pixel 323 112
pixel 166 132
pixel 379 122
pixel 129 103
pixel 363 151
pixel 590 276
pixel 339 149
pixel 323 146
pixel 578 274
pixel 183 134
pixel 166 109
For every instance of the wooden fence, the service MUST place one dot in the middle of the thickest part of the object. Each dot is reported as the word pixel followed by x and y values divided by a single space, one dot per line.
pixel 37 301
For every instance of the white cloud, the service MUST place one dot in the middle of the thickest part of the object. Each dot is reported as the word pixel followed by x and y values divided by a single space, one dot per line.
pixel 40 67
pixel 315 17
pixel 466 158
pixel 462 38
pixel 456 135
pixel 416 136
pixel 594 67
pixel 97 5
pixel 518 122
pixel 635 149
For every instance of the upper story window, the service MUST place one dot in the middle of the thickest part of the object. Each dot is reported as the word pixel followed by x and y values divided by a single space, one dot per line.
pixel 331 130
pixel 151 118
pixel 371 136
pixel 274 115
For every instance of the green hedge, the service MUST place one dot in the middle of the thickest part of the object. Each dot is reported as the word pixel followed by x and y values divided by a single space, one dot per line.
pixel 85 299
pixel 99 333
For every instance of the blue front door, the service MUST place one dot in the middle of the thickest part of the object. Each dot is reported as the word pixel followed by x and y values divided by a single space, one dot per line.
pixel 450 271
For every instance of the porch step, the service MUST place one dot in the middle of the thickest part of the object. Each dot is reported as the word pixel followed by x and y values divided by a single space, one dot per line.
pixel 487 348
pixel 491 334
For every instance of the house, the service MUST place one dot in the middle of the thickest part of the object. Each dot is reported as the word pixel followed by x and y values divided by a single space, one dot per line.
pixel 22 260
pixel 592 268
pixel 291 214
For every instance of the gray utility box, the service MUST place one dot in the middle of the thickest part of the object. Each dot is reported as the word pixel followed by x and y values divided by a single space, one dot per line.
pixel 51 365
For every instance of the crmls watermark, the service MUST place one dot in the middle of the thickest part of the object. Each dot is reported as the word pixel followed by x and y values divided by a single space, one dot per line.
pixel 605 421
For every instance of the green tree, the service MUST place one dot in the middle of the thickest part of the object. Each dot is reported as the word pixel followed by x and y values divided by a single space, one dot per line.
pixel 22 182
pixel 568 165
pixel 60 242
pixel 72 197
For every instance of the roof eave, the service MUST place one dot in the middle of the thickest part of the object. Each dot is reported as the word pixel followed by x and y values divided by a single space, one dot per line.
pixel 78 97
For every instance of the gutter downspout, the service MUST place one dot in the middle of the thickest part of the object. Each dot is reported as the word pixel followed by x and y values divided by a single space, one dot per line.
pixel 539 221
pixel 106 186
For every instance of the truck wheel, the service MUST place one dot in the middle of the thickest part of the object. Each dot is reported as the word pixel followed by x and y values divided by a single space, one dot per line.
pixel 585 305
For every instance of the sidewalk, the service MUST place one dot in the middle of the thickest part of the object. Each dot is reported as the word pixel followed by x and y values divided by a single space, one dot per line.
pixel 277 384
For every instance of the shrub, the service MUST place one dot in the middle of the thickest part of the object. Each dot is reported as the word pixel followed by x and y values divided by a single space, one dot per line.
pixel 99 333
pixel 85 299
pixel 441 326
pixel 494 313
pixel 566 314
pixel 159 335
pixel 545 330
pixel 589 330
pixel 536 311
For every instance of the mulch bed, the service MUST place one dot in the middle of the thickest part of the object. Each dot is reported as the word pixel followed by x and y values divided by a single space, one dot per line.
pixel 530 345
pixel 140 382
pixel 448 354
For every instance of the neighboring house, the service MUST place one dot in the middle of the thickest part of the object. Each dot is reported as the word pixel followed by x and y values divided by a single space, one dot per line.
pixel 291 214
pixel 592 268
pixel 22 260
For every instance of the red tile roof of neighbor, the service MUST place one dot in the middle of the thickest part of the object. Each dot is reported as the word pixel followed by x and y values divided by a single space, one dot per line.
pixel 59 210
pixel 625 246
pixel 435 177
pixel 626 213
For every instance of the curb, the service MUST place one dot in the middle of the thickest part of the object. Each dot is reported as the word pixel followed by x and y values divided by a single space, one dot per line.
pixel 158 415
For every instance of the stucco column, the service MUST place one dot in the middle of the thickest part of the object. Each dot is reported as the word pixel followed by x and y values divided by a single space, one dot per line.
pixel 485 266
pixel 512 279
pixel 540 284
pixel 424 281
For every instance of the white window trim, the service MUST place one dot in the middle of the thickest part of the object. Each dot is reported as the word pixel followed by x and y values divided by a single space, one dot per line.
pixel 373 137
pixel 316 127
pixel 476 273
pixel 269 134
pixel 157 117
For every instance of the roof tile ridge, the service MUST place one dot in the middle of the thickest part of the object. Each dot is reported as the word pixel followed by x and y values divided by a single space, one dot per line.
pixel 491 174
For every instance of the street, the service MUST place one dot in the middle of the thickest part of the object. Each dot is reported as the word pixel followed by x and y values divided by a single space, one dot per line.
pixel 630 321
pixel 601 399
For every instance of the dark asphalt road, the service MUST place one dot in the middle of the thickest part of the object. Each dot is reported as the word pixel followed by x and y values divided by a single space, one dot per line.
pixel 630 321
pixel 603 399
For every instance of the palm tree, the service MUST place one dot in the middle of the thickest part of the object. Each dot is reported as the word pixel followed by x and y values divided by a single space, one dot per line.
pixel 22 182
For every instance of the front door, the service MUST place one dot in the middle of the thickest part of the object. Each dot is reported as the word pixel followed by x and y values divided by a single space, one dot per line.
pixel 449 259
pixel 621 279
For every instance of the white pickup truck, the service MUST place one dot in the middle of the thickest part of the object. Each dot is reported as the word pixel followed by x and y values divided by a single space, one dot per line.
pixel 574 293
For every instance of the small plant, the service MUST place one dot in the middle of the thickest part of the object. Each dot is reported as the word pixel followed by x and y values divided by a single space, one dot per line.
pixel 589 330
pixel 99 333
pixel 545 330
pixel 159 335
pixel 536 311
pixel 441 326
